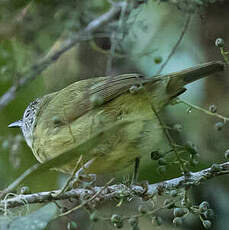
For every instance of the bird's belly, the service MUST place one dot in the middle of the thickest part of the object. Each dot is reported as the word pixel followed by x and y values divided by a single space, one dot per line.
pixel 116 152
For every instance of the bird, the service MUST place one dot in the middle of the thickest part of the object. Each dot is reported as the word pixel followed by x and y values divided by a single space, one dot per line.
pixel 60 121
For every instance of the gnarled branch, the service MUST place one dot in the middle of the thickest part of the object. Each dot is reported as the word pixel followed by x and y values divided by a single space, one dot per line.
pixel 116 191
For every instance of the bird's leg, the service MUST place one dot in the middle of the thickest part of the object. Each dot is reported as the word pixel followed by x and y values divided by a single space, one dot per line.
pixel 136 170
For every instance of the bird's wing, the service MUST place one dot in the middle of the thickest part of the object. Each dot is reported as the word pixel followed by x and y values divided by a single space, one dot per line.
pixel 112 87
pixel 80 97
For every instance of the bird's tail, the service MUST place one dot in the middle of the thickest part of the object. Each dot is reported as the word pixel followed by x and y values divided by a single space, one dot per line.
pixel 179 79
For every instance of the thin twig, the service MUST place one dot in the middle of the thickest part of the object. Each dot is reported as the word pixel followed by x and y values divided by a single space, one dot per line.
pixel 89 200
pixel 149 213
pixel 111 54
pixel 114 191
pixel 66 186
pixel 84 167
pixel 186 25
pixel 113 39
pixel 203 110
pixel 36 69
pixel 19 179
pixel 169 138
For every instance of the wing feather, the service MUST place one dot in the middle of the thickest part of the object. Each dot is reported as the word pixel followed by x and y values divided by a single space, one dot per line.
pixel 76 99
pixel 112 87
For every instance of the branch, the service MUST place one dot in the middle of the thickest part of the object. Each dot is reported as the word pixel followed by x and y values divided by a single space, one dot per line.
pixel 117 191
pixel 186 25
pixel 225 119
pixel 36 69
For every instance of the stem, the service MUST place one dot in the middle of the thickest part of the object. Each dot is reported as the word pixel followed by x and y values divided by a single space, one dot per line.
pixel 203 110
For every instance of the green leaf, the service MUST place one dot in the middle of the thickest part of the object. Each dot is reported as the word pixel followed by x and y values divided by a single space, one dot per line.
pixel 37 220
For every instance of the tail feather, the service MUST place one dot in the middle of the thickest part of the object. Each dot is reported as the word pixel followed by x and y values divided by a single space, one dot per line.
pixel 179 79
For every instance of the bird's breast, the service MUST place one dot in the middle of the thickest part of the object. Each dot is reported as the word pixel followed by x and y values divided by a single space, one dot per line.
pixel 118 150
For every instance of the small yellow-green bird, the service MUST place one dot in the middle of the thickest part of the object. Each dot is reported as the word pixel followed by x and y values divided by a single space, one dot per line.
pixel 60 121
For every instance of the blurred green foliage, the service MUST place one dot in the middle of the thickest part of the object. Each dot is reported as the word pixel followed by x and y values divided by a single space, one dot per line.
pixel 37 220
pixel 27 32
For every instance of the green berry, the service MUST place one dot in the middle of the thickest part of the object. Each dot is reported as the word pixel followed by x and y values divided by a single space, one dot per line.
pixel 177 221
pixel 94 217
pixel 207 224
pixel 155 155
pixel 25 190
pixel 96 100
pixel 142 209
pixel 117 221
pixel 173 193
pixel 212 108
pixel 158 60
pixel 177 127
pixel 219 126
pixel 179 212
pixel 133 221
pixel 219 42
pixel 209 214
pixel 194 162
pixel 5 144
pixel 115 218
pixel 118 225
pixel 204 206
pixel 133 89
pixel 191 148
pixel 226 154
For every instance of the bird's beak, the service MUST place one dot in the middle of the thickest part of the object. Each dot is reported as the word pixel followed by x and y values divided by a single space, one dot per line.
pixel 15 124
